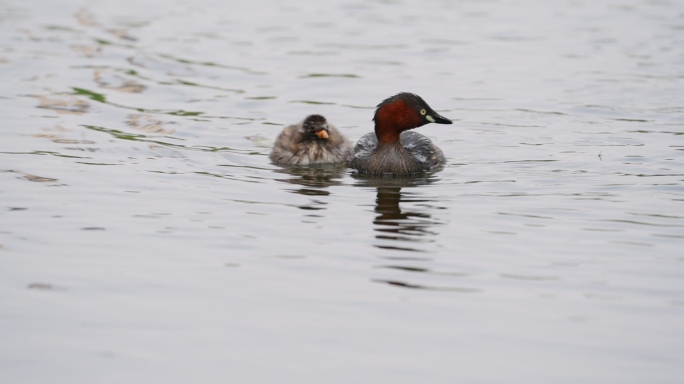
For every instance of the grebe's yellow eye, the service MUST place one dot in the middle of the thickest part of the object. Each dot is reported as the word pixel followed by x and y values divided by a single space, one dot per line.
pixel 423 112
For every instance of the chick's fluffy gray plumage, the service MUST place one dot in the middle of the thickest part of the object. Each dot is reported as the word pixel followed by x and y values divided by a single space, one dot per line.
pixel 295 146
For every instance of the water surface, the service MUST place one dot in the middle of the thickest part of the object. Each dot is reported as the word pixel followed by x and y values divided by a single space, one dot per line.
pixel 145 237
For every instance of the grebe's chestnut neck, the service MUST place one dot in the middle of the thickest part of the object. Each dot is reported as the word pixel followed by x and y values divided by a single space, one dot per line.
pixel 402 112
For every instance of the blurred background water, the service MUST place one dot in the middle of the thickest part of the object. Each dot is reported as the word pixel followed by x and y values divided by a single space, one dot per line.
pixel 145 237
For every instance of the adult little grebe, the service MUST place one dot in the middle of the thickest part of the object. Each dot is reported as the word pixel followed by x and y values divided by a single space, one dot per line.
pixel 313 141
pixel 391 150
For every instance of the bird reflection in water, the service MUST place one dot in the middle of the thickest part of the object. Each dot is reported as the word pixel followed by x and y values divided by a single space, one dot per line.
pixel 313 180
pixel 397 228
pixel 394 224
pixel 405 230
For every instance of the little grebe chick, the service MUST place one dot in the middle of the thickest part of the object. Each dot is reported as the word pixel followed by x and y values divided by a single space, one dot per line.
pixel 392 150
pixel 313 141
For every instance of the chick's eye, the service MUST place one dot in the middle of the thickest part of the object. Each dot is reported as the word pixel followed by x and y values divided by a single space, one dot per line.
pixel 423 112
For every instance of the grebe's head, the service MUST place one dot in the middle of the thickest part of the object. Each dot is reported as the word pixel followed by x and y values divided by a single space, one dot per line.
pixel 315 127
pixel 402 112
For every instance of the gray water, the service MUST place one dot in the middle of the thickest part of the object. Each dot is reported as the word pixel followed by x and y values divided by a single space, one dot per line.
pixel 146 238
